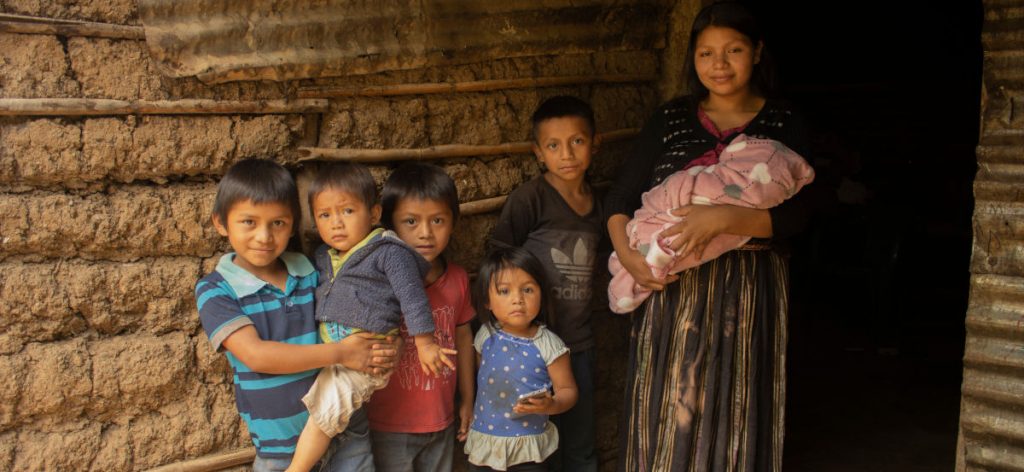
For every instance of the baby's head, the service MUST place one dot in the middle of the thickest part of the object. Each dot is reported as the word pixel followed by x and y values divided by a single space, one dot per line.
pixel 421 204
pixel 564 137
pixel 257 209
pixel 343 201
pixel 510 290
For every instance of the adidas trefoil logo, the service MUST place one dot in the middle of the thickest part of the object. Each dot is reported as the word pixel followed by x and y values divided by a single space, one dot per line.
pixel 579 267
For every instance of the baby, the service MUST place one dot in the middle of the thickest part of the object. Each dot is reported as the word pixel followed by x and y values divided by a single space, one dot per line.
pixel 752 173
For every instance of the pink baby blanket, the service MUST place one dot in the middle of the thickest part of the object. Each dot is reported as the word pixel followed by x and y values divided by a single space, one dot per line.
pixel 751 172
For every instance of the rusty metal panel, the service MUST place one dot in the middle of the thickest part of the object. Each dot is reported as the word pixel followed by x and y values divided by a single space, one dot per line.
pixel 992 406
pixel 291 39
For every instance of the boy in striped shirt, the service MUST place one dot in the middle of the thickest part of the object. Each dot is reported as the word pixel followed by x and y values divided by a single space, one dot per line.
pixel 257 305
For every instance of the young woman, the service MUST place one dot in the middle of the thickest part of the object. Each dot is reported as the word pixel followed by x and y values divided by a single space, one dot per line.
pixel 706 386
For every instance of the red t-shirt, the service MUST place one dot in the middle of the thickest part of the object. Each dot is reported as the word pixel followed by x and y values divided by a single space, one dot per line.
pixel 413 402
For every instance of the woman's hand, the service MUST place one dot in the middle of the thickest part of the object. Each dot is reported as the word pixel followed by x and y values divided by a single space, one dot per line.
pixel 701 223
pixel 636 265
pixel 365 353
pixel 631 259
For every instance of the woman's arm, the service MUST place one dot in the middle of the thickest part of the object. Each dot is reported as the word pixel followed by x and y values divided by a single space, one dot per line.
pixel 634 177
pixel 565 389
pixel 703 222
pixel 630 258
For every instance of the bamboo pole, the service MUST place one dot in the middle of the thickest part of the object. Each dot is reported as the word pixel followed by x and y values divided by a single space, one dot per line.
pixel 472 86
pixel 211 462
pixel 435 152
pixel 96 106
pixel 37 25
pixel 486 205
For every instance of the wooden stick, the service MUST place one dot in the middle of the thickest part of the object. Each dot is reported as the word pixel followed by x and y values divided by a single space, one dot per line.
pixel 473 86
pixel 95 106
pixel 435 152
pixel 486 205
pixel 36 25
pixel 211 462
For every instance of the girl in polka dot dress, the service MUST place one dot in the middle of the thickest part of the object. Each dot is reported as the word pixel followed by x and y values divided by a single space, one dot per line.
pixel 516 355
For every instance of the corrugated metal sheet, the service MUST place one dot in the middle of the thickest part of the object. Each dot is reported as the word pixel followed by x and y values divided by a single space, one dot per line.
pixel 992 408
pixel 289 39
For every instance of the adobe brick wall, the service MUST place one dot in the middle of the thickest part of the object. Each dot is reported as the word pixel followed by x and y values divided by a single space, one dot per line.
pixel 104 228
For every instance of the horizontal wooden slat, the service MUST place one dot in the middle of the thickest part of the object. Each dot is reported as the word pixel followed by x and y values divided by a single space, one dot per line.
pixel 97 107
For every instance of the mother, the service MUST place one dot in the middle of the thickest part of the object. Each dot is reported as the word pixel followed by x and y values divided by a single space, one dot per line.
pixel 706 389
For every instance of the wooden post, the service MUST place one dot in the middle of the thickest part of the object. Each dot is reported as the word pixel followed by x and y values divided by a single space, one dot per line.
pixel 442 151
pixel 472 86
pixel 36 25
pixel 96 106
pixel 211 462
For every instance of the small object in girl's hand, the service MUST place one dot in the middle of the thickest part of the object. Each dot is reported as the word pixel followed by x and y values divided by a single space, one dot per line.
pixel 526 397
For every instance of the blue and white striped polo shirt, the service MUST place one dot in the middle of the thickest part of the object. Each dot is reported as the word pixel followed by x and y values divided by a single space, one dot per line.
pixel 231 298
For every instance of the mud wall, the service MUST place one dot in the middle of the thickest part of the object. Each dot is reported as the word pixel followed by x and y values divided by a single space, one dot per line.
pixel 104 227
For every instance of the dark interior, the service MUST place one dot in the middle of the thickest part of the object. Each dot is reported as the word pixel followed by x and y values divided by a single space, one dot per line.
pixel 880 279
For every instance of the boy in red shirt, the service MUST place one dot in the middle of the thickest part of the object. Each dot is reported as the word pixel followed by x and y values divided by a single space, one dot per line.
pixel 412 419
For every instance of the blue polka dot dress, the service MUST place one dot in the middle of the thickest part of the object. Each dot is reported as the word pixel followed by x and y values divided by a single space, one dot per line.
pixel 511 366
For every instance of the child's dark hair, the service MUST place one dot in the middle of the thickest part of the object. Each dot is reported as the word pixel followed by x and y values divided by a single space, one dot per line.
pixel 419 181
pixel 733 15
pixel 347 177
pixel 560 107
pixel 259 181
pixel 501 259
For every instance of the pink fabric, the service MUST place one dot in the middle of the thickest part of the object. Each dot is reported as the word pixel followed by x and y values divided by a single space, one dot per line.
pixel 751 173
pixel 711 157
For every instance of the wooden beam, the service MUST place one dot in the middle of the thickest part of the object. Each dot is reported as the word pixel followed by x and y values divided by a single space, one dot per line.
pixel 211 462
pixel 486 205
pixel 443 151
pixel 37 25
pixel 97 106
pixel 472 86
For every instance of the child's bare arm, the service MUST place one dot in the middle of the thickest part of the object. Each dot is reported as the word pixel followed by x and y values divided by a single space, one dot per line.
pixel 466 359
pixel 357 352
pixel 565 394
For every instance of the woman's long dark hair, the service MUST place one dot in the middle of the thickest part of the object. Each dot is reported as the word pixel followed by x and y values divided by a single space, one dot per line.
pixel 507 258
pixel 734 16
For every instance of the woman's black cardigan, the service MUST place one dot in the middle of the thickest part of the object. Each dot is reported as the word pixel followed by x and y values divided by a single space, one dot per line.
pixel 673 136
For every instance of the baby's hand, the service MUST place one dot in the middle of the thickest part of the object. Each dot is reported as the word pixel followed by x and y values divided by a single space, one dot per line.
pixel 535 405
pixel 433 358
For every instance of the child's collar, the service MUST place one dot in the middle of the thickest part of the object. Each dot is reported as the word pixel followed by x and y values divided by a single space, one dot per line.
pixel 340 259
pixel 244 283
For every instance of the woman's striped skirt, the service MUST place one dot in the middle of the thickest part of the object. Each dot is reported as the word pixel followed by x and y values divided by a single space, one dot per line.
pixel 706 382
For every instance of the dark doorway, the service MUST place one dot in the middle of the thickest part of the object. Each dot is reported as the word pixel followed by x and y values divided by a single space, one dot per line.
pixel 880 280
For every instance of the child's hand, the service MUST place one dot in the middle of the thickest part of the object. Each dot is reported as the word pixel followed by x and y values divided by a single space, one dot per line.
pixel 433 358
pixel 465 418
pixel 535 405
pixel 364 353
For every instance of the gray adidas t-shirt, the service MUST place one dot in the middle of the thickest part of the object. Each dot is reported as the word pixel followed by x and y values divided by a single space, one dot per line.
pixel 537 218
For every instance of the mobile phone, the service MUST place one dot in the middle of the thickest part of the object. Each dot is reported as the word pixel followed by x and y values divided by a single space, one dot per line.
pixel 524 398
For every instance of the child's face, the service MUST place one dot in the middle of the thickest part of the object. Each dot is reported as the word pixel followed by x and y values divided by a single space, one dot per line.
pixel 342 219
pixel 724 60
pixel 426 225
pixel 515 299
pixel 258 233
pixel 564 145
